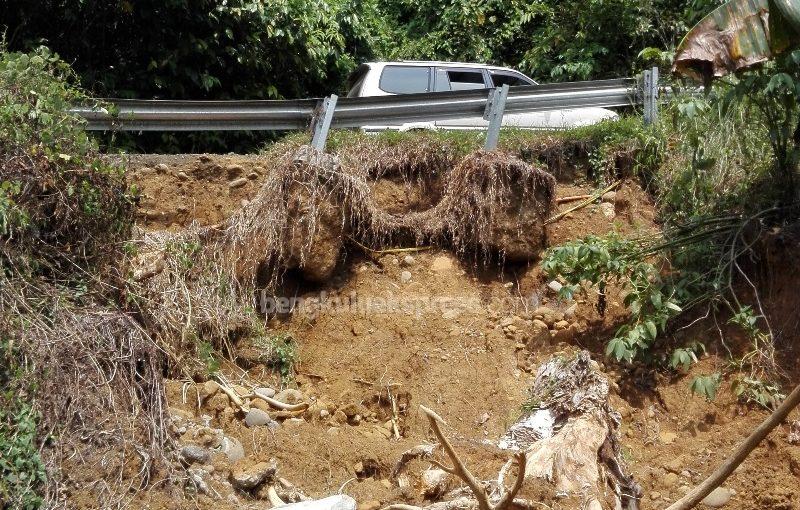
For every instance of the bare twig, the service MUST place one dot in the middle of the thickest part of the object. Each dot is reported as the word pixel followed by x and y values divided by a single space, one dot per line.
pixel 460 470
pixel 582 204
pixel 277 404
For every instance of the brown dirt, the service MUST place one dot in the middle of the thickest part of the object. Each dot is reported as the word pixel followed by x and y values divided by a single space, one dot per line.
pixel 461 360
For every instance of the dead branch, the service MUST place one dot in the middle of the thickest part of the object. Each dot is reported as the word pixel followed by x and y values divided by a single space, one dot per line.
pixel 729 466
pixel 273 497
pixel 572 198
pixel 277 404
pixel 235 398
pixel 582 204
pixel 460 470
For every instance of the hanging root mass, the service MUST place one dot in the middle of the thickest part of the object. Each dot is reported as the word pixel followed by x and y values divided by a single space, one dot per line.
pixel 200 283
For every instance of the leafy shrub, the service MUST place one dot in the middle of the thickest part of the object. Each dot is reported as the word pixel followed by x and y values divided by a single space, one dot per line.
pixel 58 199
pixel 600 261
pixel 22 471
pixel 280 351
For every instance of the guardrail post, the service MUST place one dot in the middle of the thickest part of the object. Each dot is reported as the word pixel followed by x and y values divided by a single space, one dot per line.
pixel 495 105
pixel 650 96
pixel 321 123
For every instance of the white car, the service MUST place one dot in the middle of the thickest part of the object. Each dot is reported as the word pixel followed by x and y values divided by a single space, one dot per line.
pixel 413 77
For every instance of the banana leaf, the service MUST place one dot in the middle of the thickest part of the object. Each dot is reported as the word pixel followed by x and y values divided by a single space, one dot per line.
pixel 736 36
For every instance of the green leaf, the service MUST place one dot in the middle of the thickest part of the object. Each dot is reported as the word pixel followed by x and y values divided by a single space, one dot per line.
pixel 651 329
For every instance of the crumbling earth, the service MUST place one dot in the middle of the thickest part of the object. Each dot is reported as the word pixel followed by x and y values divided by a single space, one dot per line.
pixel 387 331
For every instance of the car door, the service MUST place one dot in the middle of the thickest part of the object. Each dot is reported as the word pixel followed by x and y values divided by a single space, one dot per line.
pixel 460 78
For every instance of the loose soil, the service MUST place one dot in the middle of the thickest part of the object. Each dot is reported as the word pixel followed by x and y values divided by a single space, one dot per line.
pixel 470 359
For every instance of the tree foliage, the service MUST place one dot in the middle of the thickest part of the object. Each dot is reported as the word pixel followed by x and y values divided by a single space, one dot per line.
pixel 271 49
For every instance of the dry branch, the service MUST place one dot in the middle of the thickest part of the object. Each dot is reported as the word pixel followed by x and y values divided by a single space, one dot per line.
pixel 277 404
pixel 583 204
pixel 460 470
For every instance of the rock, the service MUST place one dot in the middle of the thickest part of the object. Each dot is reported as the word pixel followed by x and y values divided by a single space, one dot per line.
pixel 609 196
pixel 208 437
pixel 340 502
pixel 246 476
pixel 252 176
pixel 258 403
pixel 539 335
pixel 405 277
pixel 607 210
pixel 548 315
pixel 555 286
pixel 265 391
pixel 193 454
pixel 670 480
pixel 369 505
pixel 232 449
pixel 209 389
pixel 408 261
pixel 352 410
pixel 506 322
pixel 441 264
pixel 197 478
pixel 434 483
pixel 570 312
pixel 674 466
pixel 668 437
pixel 257 417
pixel 561 325
pixel 290 396
pixel 182 176
pixel 237 183
pixel 655 495
pixel 234 171
pixel 204 158
pixel 718 497
pixel 339 417
pixel 162 168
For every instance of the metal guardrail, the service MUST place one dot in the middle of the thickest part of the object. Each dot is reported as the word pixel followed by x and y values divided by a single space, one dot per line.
pixel 157 115
pixel 334 112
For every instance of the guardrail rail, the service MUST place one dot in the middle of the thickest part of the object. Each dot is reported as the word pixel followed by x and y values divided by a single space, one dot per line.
pixel 334 112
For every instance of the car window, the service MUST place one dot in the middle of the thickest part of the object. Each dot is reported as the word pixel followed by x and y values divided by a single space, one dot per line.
pixel 464 80
pixel 442 82
pixel 512 80
pixel 405 79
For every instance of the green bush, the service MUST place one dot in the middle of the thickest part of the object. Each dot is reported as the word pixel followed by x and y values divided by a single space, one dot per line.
pixel 22 471
pixel 60 203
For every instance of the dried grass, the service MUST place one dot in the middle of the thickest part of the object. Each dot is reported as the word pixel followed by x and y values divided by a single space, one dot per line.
pixel 99 390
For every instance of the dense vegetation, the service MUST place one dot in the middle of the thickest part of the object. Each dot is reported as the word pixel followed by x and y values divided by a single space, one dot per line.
pixel 252 49
pixel 63 216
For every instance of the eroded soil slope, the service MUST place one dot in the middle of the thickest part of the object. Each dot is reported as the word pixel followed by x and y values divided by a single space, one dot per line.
pixel 405 328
